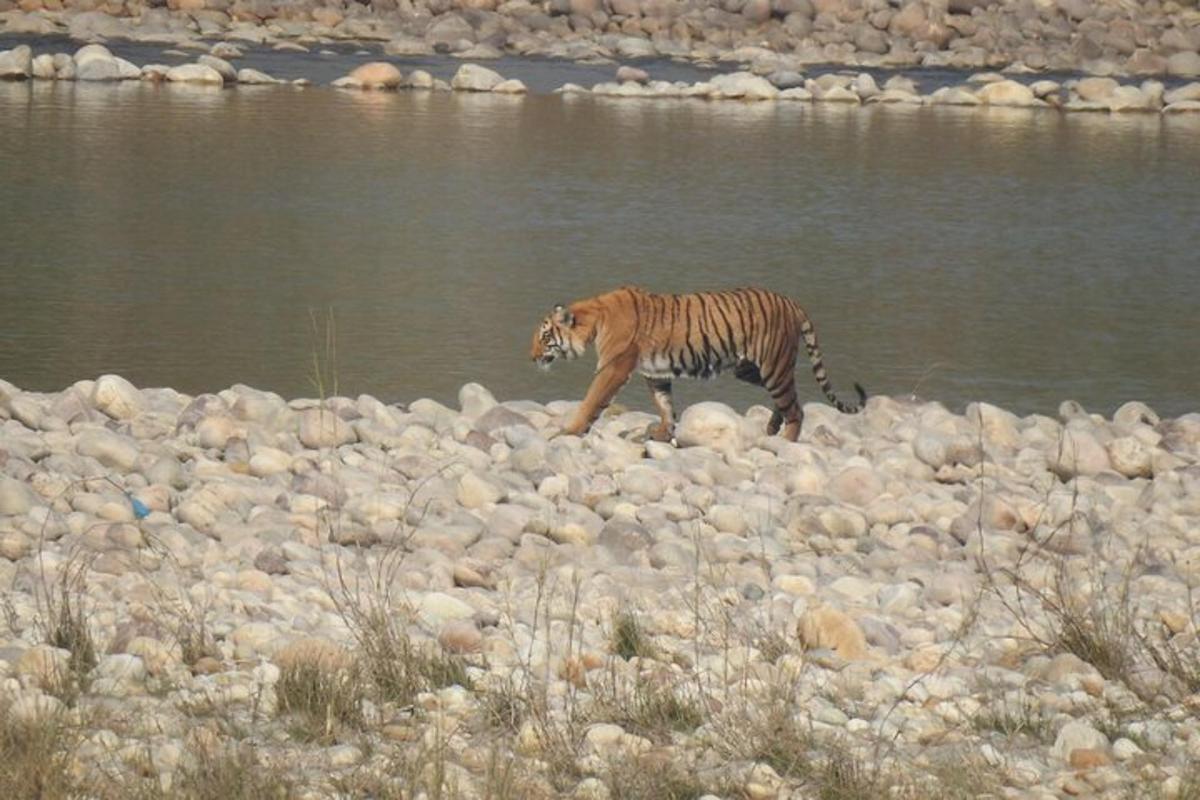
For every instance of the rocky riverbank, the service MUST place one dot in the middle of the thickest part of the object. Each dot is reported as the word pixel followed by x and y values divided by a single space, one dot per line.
pixel 1103 37
pixel 240 594
pixel 769 78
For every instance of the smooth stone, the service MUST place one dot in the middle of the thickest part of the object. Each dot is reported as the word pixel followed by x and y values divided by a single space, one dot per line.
pixel 510 86
pixel 322 428
pixel 221 66
pixel 115 396
pixel 743 86
pixel 460 637
pixel 377 75
pixel 16 64
pixel 474 78
pixel 195 74
pixel 1007 93
pixel 710 424
pixel 16 497
pixel 110 449
pixel 824 627
pixel 436 609
pixel 1076 735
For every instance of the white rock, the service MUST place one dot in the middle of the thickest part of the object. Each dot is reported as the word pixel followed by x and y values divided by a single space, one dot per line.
pixel 321 428
pixel 475 491
pixel 110 449
pixel 377 75
pixel 710 424
pixel 42 67
pixel 195 73
pixel 127 70
pixel 14 545
pixel 16 498
pixel 475 401
pixel 419 79
pixel 1183 107
pixel 474 78
pixel 16 64
pixel 838 94
pixel 1007 93
pixel 253 639
pixel 510 86
pixel 90 52
pixel 856 486
pixel 1179 94
pixel 116 397
pixel 266 461
pixel 221 66
pixel 953 96
pixel 436 609
pixel 1130 457
pixel 1078 453
pixel 1094 89
pixel 796 93
pixel 1076 735
pixel 97 69
pixel 252 77
pixel 744 86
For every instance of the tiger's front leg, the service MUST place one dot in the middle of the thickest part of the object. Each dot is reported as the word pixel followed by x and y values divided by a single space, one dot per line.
pixel 660 390
pixel 604 388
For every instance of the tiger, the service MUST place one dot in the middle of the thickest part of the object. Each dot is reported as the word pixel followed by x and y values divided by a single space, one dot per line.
pixel 754 332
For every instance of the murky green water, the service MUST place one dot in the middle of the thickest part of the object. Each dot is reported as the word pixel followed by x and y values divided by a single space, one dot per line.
pixel 184 237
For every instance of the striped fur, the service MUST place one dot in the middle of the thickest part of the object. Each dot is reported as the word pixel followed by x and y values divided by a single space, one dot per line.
pixel 753 332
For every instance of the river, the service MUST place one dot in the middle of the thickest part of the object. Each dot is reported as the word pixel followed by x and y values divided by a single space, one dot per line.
pixel 190 238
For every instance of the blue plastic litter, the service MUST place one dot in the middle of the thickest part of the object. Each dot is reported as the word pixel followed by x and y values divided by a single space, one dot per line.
pixel 140 509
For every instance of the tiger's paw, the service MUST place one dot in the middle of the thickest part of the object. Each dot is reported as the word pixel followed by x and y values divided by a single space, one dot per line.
pixel 661 433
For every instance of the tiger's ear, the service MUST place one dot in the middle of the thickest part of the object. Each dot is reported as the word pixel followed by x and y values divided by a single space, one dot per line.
pixel 563 316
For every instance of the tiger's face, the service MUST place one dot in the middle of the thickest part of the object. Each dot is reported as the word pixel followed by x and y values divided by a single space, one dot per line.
pixel 555 338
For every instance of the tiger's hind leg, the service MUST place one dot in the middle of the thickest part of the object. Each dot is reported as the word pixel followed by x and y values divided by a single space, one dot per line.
pixel 787 410
pixel 786 407
pixel 660 390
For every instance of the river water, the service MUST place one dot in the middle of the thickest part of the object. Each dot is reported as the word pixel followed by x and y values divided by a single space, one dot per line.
pixel 190 237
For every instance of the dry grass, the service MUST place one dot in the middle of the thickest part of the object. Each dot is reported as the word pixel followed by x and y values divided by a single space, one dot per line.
pixel 628 639
pixel 1013 716
pixel 66 627
pixel 651 777
pixel 770 731
pixel 323 701
pixel 653 706
pixel 34 756
pixel 230 772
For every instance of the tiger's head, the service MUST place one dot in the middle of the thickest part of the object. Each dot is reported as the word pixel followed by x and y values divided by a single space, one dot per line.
pixel 556 337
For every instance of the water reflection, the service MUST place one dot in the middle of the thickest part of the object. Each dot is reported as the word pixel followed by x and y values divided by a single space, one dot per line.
pixel 180 236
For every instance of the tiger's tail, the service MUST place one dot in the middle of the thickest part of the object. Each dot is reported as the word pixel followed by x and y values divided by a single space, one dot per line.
pixel 809 335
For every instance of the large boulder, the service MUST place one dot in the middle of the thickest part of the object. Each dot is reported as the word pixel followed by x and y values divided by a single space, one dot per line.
pixel 710 424
pixel 474 78
pixel 744 86
pixel 1007 93
pixel 43 67
pixel 16 64
pixel 224 68
pixel 92 24
pixel 195 73
pixel 98 69
pixel 377 75
pixel 1184 65
pixel 116 397
pixel 1095 89
pixel 252 77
